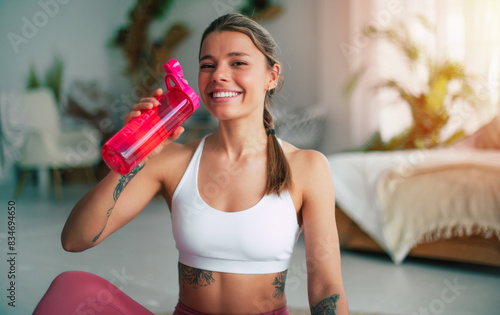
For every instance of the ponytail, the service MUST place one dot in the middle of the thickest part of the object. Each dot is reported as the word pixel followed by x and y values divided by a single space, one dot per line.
pixel 279 175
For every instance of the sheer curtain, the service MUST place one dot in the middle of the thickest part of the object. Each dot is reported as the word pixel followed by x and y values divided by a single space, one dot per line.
pixel 467 31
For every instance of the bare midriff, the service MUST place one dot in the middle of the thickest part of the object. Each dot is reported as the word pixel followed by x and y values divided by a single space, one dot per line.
pixel 228 293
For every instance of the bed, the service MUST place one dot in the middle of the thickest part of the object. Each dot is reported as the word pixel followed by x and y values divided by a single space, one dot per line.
pixel 440 203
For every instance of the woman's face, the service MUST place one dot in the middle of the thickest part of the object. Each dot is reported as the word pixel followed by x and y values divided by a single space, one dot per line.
pixel 234 76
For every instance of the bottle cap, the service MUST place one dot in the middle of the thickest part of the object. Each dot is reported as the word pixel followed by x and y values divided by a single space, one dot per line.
pixel 175 75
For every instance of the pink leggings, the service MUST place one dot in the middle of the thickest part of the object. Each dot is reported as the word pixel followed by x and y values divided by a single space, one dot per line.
pixel 83 293
pixel 182 309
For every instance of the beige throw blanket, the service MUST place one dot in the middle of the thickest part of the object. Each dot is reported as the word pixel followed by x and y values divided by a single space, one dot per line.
pixel 441 201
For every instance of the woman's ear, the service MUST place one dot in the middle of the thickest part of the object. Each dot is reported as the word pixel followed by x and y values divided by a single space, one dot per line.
pixel 275 75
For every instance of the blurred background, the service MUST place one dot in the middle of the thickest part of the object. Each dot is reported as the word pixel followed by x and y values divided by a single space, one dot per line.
pixel 358 73
pixel 361 76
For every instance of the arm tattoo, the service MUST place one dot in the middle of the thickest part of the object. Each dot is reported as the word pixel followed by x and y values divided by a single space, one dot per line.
pixel 327 306
pixel 193 276
pixel 279 285
pixel 122 183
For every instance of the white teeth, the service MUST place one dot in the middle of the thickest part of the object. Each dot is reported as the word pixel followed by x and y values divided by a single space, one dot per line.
pixel 224 94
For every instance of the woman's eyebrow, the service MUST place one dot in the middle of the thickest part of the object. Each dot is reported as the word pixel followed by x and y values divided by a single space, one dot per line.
pixel 231 54
pixel 236 53
pixel 206 57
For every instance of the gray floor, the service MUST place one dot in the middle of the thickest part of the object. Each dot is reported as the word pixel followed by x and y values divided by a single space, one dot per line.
pixel 141 260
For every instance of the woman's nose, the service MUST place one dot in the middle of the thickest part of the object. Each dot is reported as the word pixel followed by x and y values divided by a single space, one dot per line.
pixel 220 74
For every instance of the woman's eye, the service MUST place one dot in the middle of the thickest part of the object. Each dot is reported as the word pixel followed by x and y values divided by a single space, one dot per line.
pixel 239 63
pixel 206 66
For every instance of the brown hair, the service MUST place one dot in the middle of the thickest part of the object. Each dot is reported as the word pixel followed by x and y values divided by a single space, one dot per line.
pixel 279 176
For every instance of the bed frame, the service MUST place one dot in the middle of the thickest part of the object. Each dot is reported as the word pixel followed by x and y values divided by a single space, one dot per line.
pixel 468 249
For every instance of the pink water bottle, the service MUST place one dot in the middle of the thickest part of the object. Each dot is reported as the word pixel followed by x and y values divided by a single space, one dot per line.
pixel 125 150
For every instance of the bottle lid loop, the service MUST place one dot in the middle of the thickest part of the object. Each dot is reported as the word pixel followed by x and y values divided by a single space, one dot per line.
pixel 175 75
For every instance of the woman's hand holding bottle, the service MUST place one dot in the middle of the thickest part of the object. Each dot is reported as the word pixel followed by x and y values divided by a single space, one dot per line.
pixel 148 128
pixel 147 103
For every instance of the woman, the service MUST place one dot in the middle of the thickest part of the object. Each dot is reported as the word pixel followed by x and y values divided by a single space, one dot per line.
pixel 238 197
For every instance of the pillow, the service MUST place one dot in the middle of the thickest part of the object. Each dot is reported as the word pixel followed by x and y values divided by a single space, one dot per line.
pixel 485 138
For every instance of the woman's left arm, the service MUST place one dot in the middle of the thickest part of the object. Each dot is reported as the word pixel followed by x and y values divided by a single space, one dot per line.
pixel 324 277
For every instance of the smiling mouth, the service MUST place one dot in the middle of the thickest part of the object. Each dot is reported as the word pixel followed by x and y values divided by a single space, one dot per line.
pixel 221 95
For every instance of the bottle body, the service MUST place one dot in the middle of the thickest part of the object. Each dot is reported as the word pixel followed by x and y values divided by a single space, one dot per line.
pixel 126 149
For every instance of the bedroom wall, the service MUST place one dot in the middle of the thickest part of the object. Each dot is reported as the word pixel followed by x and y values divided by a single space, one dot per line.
pixel 76 30
pixel 333 69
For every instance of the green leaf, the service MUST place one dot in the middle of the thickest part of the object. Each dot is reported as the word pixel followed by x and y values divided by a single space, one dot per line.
pixel 352 82
pixel 53 76
pixel 33 81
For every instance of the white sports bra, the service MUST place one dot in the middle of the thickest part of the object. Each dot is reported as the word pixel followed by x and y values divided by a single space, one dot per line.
pixel 257 240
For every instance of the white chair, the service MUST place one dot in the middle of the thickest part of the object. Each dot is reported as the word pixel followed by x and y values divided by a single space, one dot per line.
pixel 50 147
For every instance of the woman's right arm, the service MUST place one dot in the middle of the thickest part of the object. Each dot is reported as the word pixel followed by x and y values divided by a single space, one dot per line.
pixel 115 200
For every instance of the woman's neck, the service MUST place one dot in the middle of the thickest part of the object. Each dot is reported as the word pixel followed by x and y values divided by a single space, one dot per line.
pixel 239 139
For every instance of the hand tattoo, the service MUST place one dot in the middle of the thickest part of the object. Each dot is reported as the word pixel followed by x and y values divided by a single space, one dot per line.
pixel 194 276
pixel 327 306
pixel 279 284
pixel 122 183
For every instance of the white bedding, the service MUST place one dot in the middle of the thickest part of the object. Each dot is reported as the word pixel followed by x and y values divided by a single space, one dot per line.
pixel 357 176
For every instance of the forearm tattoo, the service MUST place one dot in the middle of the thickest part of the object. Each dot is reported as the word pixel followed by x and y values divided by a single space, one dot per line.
pixel 327 306
pixel 279 285
pixel 122 183
pixel 194 276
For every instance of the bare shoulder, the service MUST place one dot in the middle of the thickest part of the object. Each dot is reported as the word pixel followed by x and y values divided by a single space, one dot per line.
pixel 311 174
pixel 175 155
pixel 177 150
pixel 305 162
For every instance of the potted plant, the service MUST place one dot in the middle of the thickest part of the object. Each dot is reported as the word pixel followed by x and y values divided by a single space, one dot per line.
pixel 430 104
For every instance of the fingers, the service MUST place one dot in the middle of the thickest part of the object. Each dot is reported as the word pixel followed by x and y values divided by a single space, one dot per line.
pixel 144 104
pixel 173 136
pixel 131 116
pixel 176 134
pixel 158 92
